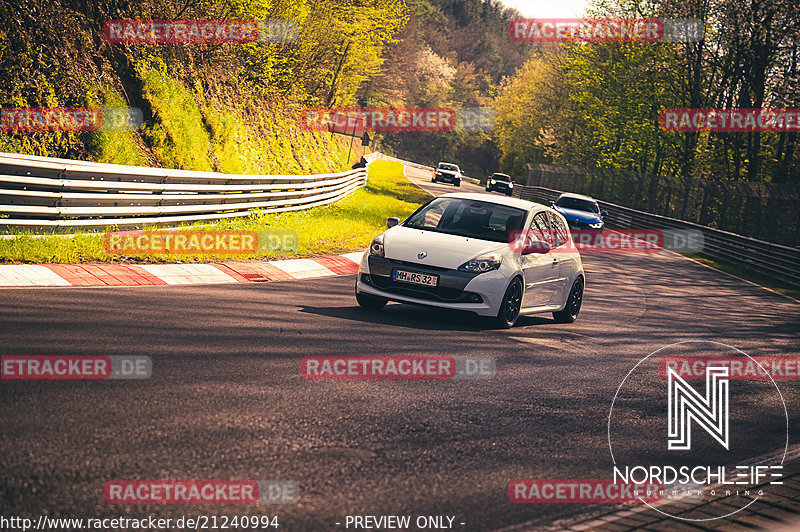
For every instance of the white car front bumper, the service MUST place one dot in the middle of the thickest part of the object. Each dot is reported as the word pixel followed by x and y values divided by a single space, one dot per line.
pixel 489 286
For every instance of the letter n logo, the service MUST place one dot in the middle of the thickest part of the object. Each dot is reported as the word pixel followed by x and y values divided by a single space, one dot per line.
pixel 686 404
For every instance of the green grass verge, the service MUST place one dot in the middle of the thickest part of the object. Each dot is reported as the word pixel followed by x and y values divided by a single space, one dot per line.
pixel 750 275
pixel 345 226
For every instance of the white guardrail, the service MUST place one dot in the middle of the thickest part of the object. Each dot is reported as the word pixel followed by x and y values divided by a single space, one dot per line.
pixel 44 193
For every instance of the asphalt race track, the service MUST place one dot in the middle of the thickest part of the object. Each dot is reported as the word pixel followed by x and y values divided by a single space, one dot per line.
pixel 226 399
pixel 422 179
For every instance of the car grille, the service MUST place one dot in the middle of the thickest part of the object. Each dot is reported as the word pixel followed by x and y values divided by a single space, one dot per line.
pixel 417 266
pixel 574 224
pixel 450 288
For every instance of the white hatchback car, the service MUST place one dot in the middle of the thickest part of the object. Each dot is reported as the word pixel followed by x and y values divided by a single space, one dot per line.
pixel 494 256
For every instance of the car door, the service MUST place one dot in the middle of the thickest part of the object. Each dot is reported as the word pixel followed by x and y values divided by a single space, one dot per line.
pixel 567 258
pixel 539 269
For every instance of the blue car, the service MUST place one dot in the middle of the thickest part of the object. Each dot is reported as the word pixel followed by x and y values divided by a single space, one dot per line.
pixel 581 212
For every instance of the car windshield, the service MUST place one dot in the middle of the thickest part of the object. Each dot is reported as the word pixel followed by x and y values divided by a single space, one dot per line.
pixel 501 177
pixel 450 167
pixel 578 204
pixel 471 218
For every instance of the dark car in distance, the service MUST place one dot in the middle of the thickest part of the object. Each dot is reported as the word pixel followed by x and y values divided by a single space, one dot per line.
pixel 500 183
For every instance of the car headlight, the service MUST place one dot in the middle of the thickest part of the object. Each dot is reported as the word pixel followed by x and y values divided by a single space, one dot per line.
pixel 598 225
pixel 484 263
pixel 511 185
pixel 438 173
pixel 492 181
pixel 376 248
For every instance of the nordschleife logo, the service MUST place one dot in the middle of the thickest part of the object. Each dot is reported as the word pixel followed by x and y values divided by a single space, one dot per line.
pixel 721 445
pixel 685 404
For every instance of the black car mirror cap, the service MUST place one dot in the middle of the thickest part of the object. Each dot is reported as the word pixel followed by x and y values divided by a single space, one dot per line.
pixel 603 213
pixel 391 222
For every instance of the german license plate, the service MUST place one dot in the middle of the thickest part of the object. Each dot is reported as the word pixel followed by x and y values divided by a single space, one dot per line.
pixel 414 278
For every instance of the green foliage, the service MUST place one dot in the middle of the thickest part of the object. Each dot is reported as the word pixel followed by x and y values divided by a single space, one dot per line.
pixel 619 89
pixel 118 147
pixel 226 107
pixel 525 110
pixel 608 96
pixel 453 54
pixel 178 137
pixel 339 47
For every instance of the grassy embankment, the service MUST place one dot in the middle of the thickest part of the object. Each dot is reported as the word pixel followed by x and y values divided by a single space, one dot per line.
pixel 341 227
pixel 196 129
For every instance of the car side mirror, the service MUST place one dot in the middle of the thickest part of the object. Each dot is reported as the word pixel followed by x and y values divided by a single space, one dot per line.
pixel 552 203
pixel 391 222
pixel 604 213
pixel 537 247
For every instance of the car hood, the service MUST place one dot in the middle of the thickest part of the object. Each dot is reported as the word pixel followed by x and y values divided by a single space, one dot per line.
pixel 579 216
pixel 448 172
pixel 444 251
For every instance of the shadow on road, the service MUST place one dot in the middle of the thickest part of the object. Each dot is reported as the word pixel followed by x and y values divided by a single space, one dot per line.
pixel 425 318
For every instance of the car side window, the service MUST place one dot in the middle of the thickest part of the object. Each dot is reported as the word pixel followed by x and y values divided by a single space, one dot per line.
pixel 559 230
pixel 540 228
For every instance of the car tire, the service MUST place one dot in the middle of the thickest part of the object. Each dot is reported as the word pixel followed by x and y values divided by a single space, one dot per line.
pixel 458 182
pixel 573 304
pixel 508 313
pixel 433 180
pixel 371 302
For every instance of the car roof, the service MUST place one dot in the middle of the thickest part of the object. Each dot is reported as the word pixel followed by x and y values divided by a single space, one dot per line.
pixel 491 198
pixel 504 175
pixel 576 196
